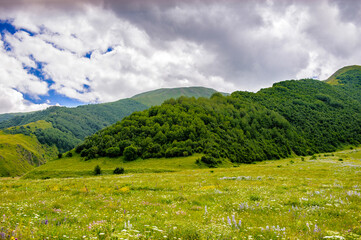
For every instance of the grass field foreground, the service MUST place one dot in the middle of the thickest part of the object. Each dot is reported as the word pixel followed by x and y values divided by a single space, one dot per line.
pixel 315 197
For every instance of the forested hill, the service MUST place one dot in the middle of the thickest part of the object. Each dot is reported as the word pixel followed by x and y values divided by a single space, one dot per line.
pixel 292 117
pixel 71 125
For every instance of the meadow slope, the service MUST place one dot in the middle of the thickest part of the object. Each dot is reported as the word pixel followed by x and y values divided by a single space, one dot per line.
pixel 314 197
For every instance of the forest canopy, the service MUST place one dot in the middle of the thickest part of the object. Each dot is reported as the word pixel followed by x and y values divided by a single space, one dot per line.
pixel 293 117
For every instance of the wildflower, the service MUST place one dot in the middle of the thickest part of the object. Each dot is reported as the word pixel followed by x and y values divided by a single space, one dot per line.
pixel 229 221
pixel 205 210
pixel 316 229
pixel 234 221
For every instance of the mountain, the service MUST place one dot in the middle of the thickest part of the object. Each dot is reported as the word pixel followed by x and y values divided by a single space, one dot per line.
pixel 71 125
pixel 67 127
pixel 8 116
pixel 292 117
pixel 157 97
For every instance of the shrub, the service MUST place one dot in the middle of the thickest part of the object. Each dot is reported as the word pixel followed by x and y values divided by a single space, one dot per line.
pixel 97 170
pixel 210 161
pixel 118 170
pixel 69 154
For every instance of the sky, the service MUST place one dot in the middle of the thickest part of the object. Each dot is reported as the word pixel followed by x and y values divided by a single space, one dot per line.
pixel 68 53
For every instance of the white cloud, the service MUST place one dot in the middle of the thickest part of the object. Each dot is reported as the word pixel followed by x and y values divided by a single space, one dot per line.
pixel 227 45
pixel 133 65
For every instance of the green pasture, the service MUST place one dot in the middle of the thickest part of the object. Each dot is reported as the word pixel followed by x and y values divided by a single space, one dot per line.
pixel 316 197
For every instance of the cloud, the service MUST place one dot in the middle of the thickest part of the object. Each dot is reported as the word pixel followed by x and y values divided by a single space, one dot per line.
pixel 13 101
pixel 96 56
pixel 104 50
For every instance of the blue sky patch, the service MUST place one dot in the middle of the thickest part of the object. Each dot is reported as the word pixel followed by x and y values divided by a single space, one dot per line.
pixel 88 54
pixel 6 27
pixel 52 97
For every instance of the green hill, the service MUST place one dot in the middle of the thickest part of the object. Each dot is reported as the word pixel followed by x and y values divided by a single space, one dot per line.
pixel 72 125
pixel 157 97
pixel 334 78
pixel 20 153
pixel 63 128
pixel 292 117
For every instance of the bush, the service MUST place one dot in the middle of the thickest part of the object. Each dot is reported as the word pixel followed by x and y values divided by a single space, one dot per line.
pixel 97 170
pixel 69 154
pixel 210 161
pixel 130 153
pixel 118 170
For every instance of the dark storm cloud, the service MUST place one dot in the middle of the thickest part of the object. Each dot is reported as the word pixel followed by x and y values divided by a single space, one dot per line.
pixel 350 10
pixel 243 40
pixel 227 28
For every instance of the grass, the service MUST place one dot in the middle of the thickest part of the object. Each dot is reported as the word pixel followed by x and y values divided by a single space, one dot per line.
pixel 309 199
pixel 76 166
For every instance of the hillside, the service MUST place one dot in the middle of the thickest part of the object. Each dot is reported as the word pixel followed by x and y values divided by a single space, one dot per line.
pixel 20 153
pixel 64 128
pixel 157 97
pixel 72 125
pixel 334 78
pixel 220 127
pixel 301 117
pixel 8 116
pixel 326 116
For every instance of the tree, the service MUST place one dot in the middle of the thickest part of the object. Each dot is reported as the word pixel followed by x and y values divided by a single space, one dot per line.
pixel 113 152
pixel 130 153
pixel 97 170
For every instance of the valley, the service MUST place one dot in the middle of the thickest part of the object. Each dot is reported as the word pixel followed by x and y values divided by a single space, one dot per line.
pixel 280 163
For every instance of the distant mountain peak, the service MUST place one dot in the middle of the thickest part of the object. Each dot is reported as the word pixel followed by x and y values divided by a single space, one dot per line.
pixel 158 96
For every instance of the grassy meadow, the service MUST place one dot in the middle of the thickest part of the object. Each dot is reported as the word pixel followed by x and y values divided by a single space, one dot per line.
pixel 316 197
